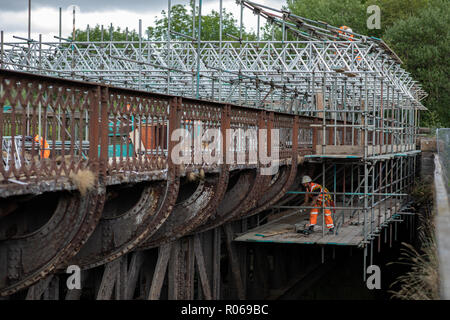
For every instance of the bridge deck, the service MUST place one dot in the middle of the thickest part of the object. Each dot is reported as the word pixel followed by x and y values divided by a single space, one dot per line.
pixel 349 233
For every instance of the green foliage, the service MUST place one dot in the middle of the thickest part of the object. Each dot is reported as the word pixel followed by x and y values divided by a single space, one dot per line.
pixel 421 282
pixel 423 42
pixel 181 22
pixel 338 13
pixel 353 13
pixel 422 193
pixel 180 19
pixel 334 12
pixel 395 10
pixel 431 119
pixel 417 30
pixel 95 34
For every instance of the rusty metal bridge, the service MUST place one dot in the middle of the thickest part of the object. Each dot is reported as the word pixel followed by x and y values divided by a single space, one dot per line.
pixel 87 176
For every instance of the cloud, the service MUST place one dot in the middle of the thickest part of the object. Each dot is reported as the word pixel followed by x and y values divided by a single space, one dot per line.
pixel 110 5
pixel 45 21
pixel 85 5
pixel 45 15
pixel 95 6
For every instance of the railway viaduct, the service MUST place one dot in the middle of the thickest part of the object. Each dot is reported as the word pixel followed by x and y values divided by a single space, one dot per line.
pixel 94 174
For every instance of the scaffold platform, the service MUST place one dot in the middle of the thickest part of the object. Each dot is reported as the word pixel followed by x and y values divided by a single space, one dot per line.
pixel 349 230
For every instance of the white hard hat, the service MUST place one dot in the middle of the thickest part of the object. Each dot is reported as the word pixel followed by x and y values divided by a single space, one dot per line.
pixel 306 179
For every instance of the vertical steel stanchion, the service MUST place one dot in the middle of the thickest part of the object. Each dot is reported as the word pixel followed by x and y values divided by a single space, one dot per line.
pixel 73 38
pixel 324 131
pixel 257 27
pixel 198 47
pixel 240 48
pixel 364 262
pixel 29 21
pixel 140 55
pixel 366 169
pixel 110 38
pixel 169 11
pixel 322 194
pixel 371 252
pixel 220 48
pixel 40 53
pixel 60 24
pixel 323 254
pixel 1 49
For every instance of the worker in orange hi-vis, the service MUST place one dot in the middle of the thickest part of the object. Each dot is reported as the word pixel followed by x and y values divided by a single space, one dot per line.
pixel 312 190
pixel 345 28
pixel 43 145
pixel 350 37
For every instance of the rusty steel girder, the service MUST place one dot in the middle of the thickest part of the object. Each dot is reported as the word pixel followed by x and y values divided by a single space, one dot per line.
pixel 275 184
pixel 117 236
pixel 260 186
pixel 233 196
pixel 28 258
pixel 242 196
pixel 276 191
pixel 192 212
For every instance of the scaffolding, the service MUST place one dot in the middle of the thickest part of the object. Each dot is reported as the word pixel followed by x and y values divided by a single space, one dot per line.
pixel 354 85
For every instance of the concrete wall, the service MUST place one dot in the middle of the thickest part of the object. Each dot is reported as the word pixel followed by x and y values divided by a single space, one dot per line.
pixel 442 221
pixel 428 148
pixel 431 172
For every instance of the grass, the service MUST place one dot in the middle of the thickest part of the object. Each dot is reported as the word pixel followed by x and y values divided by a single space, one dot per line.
pixel 422 281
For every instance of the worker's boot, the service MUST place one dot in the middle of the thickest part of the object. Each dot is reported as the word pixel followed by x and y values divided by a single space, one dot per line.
pixel 331 230
pixel 308 231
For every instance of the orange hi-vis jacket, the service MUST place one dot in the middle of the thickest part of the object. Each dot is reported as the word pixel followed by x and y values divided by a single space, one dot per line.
pixel 325 196
pixel 345 28
pixel 43 145
pixel 314 187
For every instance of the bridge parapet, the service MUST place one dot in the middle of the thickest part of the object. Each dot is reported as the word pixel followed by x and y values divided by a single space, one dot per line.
pixel 52 128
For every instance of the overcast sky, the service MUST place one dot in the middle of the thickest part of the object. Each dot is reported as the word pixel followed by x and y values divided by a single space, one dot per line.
pixel 123 13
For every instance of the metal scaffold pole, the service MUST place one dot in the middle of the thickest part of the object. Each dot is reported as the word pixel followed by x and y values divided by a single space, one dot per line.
pixel 199 37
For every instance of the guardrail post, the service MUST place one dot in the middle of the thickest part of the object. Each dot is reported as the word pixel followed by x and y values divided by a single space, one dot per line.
pixel 315 138
pixel 104 97
pixel 225 124
pixel 270 121
pixel 261 125
pixel 94 129
pixel 295 129
pixel 174 123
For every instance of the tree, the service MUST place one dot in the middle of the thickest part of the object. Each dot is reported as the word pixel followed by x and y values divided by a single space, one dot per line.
pixel 351 13
pixel 423 42
pixel 95 34
pixel 395 10
pixel 181 22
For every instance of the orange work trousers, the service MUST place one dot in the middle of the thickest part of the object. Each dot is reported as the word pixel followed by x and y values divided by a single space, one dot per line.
pixel 315 212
